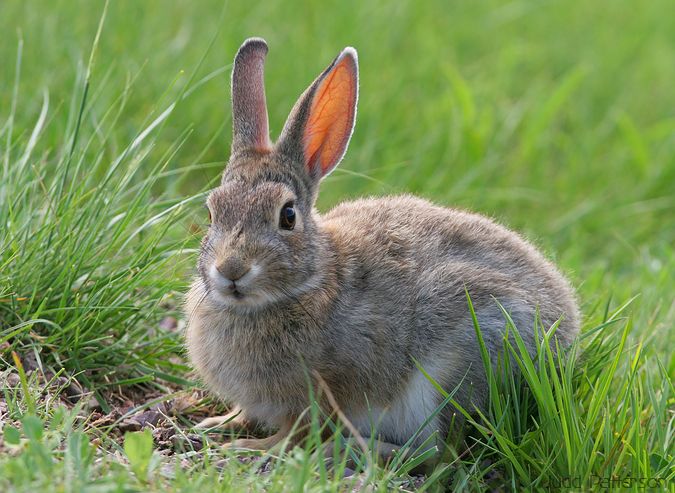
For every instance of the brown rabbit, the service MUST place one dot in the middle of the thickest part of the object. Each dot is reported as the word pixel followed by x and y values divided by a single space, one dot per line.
pixel 356 297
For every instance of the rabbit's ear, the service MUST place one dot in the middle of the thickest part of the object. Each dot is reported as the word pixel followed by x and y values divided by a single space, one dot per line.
pixel 321 122
pixel 250 129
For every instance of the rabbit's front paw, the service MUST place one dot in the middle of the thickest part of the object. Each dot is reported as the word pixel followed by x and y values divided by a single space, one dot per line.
pixel 234 420
pixel 282 437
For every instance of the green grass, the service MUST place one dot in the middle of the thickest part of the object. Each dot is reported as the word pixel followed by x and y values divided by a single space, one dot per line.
pixel 557 118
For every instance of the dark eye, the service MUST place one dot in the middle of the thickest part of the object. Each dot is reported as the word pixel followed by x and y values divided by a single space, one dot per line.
pixel 287 217
pixel 209 212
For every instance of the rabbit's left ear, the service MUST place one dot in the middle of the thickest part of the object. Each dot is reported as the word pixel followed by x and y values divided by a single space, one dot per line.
pixel 320 125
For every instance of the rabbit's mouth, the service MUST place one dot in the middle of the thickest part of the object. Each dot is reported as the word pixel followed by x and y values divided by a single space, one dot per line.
pixel 233 297
pixel 237 295
pixel 241 302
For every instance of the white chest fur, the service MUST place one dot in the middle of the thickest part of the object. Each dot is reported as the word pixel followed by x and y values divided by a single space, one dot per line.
pixel 404 417
pixel 229 367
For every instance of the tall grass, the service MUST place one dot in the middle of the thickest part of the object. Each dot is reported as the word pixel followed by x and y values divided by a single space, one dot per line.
pixel 87 262
pixel 578 421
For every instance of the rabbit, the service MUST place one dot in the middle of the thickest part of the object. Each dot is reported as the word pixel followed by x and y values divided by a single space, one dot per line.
pixel 352 302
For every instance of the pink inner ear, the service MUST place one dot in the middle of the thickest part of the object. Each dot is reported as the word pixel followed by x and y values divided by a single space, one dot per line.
pixel 331 117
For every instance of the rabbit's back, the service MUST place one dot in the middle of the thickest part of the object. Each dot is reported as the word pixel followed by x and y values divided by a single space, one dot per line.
pixel 405 266
pixel 433 254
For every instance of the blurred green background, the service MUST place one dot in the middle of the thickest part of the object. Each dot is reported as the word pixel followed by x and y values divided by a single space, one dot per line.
pixel 557 117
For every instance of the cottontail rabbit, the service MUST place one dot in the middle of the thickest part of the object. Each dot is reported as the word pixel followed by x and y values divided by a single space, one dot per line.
pixel 355 298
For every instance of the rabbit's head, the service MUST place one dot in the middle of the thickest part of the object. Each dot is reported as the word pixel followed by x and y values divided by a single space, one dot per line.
pixel 263 245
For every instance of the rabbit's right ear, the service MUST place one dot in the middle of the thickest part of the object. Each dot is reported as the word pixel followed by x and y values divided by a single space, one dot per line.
pixel 320 125
pixel 250 128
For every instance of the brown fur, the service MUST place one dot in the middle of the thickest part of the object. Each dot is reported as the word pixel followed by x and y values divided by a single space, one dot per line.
pixel 357 295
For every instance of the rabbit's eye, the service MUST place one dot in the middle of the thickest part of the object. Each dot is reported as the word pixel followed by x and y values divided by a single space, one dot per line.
pixel 209 212
pixel 287 217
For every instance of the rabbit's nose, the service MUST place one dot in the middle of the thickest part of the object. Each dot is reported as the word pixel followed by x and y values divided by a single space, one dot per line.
pixel 233 269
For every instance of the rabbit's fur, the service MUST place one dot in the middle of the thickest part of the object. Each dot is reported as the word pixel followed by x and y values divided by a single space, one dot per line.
pixel 356 296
